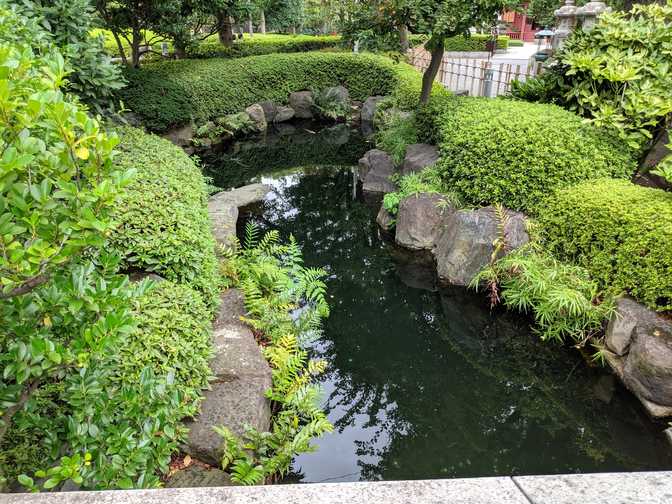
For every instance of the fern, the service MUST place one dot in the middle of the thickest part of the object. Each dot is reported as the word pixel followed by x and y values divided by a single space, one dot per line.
pixel 286 303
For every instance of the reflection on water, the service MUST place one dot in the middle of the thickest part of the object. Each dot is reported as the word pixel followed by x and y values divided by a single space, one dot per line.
pixel 427 383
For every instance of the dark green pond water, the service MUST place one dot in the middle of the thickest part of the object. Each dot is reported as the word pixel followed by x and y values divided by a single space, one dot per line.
pixel 427 383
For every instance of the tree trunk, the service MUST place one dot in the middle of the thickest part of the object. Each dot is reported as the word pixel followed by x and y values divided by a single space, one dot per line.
pixel 403 38
pixel 262 23
pixel 120 47
pixel 135 47
pixel 225 29
pixel 430 74
pixel 250 27
pixel 293 30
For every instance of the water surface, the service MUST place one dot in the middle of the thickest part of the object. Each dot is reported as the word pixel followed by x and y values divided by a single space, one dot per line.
pixel 425 382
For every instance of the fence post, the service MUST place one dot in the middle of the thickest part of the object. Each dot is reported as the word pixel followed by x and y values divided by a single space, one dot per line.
pixel 487 81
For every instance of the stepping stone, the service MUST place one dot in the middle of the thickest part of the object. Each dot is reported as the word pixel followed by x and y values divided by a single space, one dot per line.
pixel 197 476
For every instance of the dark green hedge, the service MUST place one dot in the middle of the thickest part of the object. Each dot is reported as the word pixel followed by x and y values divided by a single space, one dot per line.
pixel 475 42
pixel 163 223
pixel 516 153
pixel 621 232
pixel 263 44
pixel 172 93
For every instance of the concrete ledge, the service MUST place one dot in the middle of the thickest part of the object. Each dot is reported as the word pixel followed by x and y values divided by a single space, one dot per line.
pixel 616 488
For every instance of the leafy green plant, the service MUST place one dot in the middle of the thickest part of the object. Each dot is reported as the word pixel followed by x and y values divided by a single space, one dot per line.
pixel 172 93
pixel 286 302
pixel 617 75
pixel 426 181
pixel 395 132
pixel 329 105
pixel 664 168
pixel 162 219
pixel 564 301
pixel 516 152
pixel 91 74
pixel 619 232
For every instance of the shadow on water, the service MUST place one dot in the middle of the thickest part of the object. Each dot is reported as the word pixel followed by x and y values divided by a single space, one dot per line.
pixel 426 382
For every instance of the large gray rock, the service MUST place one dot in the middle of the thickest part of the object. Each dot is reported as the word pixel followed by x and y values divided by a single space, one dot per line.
pixel 223 210
pixel 198 476
pixel 385 220
pixel 270 110
pixel 648 365
pixel 629 313
pixel 238 394
pixel 242 196
pixel 418 157
pixel 465 244
pixel 181 136
pixel 375 171
pixel 302 103
pixel 284 114
pixel 420 220
pixel 338 94
pixel 369 108
pixel 258 116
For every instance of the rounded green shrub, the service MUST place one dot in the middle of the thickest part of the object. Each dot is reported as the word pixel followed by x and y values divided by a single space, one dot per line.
pixel 172 93
pixel 262 44
pixel 172 337
pixel 516 153
pixel 621 232
pixel 162 218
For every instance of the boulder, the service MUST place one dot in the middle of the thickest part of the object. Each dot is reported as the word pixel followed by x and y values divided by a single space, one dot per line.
pixel 623 322
pixel 336 135
pixel 284 114
pixel 647 370
pixel 420 220
pixel 199 476
pixel 375 171
pixel 418 157
pixel 385 220
pixel 465 244
pixel 181 136
pixel 284 129
pixel 302 103
pixel 369 108
pixel 223 219
pixel 256 113
pixel 242 376
pixel 338 94
pixel 242 196
pixel 270 110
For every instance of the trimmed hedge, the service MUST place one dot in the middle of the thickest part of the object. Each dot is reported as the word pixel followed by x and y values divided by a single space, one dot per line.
pixel 621 232
pixel 163 223
pixel 516 153
pixel 263 44
pixel 172 93
pixel 172 336
pixel 473 43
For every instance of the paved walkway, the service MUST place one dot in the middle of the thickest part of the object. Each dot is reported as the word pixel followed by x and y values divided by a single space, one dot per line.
pixel 615 488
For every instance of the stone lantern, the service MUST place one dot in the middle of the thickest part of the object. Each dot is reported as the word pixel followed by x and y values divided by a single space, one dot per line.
pixel 590 12
pixel 566 16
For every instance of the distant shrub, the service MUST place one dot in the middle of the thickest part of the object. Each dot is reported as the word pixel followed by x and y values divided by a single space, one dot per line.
pixel 473 43
pixel 163 223
pixel 172 93
pixel 515 153
pixel 263 44
pixel 621 232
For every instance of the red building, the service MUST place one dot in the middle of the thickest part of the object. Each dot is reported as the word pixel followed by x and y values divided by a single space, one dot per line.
pixel 519 26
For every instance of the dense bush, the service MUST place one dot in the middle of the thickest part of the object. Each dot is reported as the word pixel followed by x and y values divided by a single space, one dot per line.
pixel 67 23
pixel 617 74
pixel 515 153
pixel 622 233
pixel 163 223
pixel 172 337
pixel 172 93
pixel 262 44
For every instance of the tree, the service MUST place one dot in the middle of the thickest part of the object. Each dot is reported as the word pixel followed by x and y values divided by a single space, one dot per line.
pixel 91 73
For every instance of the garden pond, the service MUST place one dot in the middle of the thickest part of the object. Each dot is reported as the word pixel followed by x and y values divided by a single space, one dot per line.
pixel 425 382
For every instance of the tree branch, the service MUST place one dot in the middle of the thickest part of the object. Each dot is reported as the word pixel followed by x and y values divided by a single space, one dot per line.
pixel 11 411
pixel 26 286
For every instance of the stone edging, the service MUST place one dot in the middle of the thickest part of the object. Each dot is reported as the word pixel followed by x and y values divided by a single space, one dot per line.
pixel 606 488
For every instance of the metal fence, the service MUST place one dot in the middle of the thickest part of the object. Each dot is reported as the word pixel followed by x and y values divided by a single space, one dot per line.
pixel 476 76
